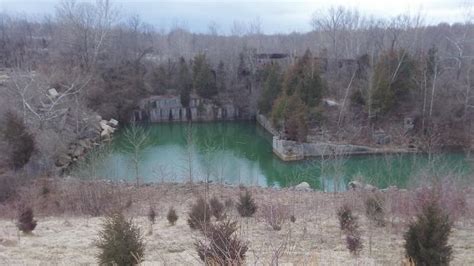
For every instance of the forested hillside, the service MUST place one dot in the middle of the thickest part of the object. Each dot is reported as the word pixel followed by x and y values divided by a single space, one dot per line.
pixel 352 78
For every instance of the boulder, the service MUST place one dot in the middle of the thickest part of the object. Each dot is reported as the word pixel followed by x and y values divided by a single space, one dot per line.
pixel 79 151
pixel 63 160
pixel 355 185
pixel 103 124
pixel 53 93
pixel 330 102
pixel 359 186
pixel 369 187
pixel 390 188
pixel 113 122
pixel 85 143
pixel 303 186
pixel 107 131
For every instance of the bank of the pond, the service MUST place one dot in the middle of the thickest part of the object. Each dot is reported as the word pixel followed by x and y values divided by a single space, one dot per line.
pixel 239 152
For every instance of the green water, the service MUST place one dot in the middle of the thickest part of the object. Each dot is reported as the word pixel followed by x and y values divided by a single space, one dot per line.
pixel 241 153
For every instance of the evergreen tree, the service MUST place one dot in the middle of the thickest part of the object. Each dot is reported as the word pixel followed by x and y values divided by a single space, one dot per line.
pixel 184 82
pixel 426 241
pixel 271 88
pixel 204 81
pixel 221 77
pixel 303 78
pixel 393 79
pixel 290 114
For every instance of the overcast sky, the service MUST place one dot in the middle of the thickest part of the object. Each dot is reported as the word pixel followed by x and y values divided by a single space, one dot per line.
pixel 275 16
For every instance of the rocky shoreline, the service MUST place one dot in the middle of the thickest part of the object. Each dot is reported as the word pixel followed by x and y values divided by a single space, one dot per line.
pixel 78 149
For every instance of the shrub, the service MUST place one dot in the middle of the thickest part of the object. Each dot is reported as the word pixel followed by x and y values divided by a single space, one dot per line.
pixel 275 215
pixel 350 226
pixel 354 242
pixel 374 209
pixel 120 242
pixel 246 205
pixel 26 222
pixel 217 208
pixel 222 246
pixel 292 218
pixel 426 241
pixel 21 143
pixel 200 214
pixel 172 216
pixel 345 217
pixel 151 215
pixel 9 184
pixel 229 204
pixel 451 198
pixel 389 90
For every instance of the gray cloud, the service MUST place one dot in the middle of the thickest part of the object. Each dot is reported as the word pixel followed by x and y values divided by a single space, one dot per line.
pixel 275 16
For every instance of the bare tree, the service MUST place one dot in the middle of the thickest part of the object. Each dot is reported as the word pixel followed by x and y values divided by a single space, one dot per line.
pixel 136 139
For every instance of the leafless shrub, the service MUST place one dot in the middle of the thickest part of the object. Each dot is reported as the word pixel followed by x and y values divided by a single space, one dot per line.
pixel 98 198
pixel 246 205
pixel 26 222
pixel 350 226
pixel 354 242
pixel 229 203
pixel 172 216
pixel 200 214
pixel 222 247
pixel 374 208
pixel 450 197
pixel 217 208
pixel 151 215
pixel 345 217
pixel 275 215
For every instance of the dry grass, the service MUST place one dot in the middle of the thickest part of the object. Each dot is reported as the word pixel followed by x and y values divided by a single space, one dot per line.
pixel 66 234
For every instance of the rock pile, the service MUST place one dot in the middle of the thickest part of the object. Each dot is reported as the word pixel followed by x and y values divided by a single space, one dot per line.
pixel 79 148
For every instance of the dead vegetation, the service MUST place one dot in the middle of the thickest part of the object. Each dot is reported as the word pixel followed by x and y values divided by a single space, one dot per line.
pixel 26 222
pixel 311 238
pixel 222 246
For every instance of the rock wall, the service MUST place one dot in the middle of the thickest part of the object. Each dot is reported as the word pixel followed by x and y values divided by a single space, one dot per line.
pixel 288 150
pixel 169 108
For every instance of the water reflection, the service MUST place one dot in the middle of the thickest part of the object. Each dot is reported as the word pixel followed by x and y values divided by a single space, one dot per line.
pixel 241 153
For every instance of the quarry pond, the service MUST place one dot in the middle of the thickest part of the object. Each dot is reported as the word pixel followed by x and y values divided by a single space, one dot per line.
pixel 241 153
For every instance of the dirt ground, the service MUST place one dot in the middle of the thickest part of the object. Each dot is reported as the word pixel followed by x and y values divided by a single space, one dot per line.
pixel 66 236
